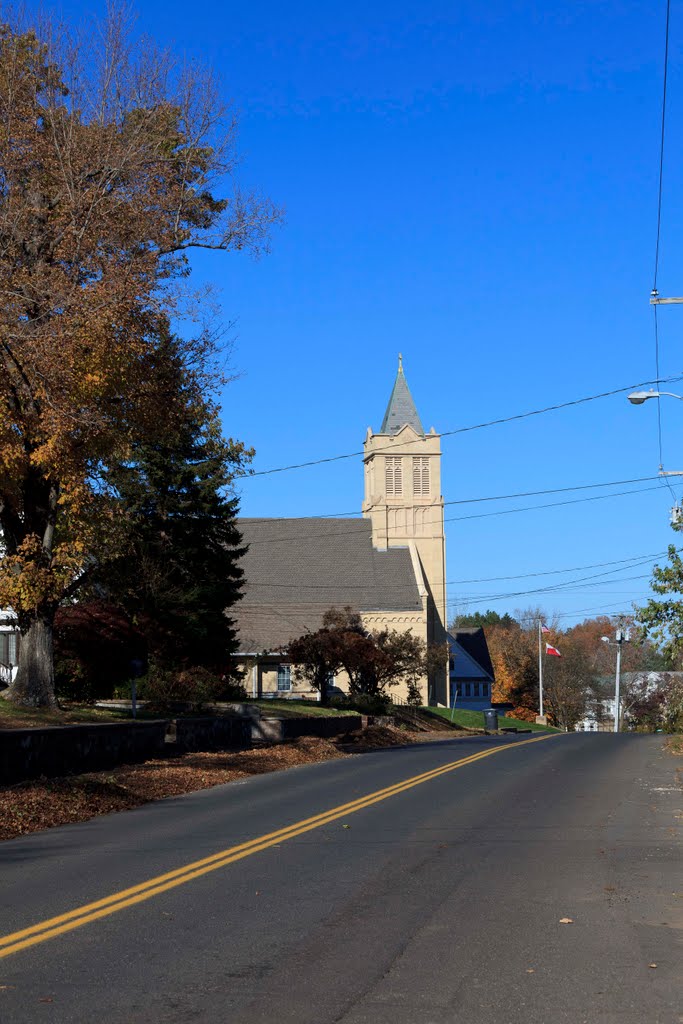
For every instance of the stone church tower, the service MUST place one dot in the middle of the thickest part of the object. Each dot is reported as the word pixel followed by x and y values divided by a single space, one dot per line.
pixel 403 500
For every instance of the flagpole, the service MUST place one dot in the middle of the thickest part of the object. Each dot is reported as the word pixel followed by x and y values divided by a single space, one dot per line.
pixel 540 670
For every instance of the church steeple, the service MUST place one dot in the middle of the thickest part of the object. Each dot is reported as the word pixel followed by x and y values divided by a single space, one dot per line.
pixel 401 409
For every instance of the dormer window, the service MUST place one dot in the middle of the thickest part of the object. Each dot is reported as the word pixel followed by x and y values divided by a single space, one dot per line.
pixel 394 478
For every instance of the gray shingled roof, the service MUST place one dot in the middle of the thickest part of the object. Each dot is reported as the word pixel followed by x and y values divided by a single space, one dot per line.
pixel 295 569
pixel 401 409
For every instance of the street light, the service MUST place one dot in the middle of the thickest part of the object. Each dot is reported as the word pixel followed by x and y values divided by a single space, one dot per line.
pixel 638 397
pixel 622 636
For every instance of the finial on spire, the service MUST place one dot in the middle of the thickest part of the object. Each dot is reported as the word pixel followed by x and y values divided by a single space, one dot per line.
pixel 401 409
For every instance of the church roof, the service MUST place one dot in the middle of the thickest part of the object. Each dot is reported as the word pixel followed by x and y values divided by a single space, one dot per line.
pixel 296 569
pixel 401 409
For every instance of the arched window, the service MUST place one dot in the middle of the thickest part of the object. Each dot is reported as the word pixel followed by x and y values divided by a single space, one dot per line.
pixel 394 479
pixel 421 476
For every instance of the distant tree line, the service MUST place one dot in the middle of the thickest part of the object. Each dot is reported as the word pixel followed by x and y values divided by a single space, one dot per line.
pixel 582 680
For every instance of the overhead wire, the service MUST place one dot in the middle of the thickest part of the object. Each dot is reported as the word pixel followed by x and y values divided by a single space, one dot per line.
pixel 357 516
pixel 460 430
pixel 665 480
pixel 560 588
pixel 550 504
pixel 555 572
pixel 631 563
pixel 283 538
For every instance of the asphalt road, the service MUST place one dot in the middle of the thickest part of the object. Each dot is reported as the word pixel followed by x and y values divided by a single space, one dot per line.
pixel 438 902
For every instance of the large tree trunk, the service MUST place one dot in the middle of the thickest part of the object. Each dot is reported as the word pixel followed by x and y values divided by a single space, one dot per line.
pixel 35 680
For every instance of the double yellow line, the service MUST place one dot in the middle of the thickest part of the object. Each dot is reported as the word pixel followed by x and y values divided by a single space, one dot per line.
pixel 54 926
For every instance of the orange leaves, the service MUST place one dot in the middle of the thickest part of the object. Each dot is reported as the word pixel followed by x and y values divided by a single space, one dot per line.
pixel 31 577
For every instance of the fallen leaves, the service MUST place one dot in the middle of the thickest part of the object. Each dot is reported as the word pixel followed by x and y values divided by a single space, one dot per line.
pixel 45 803
pixel 33 806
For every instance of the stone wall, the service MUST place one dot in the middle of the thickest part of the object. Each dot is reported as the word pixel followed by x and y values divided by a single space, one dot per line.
pixel 72 749
pixel 63 750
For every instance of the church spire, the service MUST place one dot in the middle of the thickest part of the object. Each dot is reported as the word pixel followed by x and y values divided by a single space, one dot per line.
pixel 401 408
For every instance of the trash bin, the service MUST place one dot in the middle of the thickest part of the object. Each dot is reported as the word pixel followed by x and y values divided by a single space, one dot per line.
pixel 490 720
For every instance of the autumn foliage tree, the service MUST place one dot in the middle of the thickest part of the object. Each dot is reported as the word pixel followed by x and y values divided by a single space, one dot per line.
pixel 372 661
pixel 112 161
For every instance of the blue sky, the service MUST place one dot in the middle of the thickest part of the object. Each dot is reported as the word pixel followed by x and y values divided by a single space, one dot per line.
pixel 473 186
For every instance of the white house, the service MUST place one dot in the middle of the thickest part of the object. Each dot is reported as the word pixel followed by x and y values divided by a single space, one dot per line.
pixel 9 646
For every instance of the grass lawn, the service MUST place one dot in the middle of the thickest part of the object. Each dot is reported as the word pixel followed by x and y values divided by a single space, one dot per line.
pixel 14 717
pixel 475 720
pixel 297 708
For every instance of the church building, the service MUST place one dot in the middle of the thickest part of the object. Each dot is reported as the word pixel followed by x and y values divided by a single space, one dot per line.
pixel 388 565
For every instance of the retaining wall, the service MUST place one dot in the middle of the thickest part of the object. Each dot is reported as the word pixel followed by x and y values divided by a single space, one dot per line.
pixel 66 749
pixel 72 749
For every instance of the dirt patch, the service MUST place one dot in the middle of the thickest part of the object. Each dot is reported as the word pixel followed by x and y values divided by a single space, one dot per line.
pixel 375 737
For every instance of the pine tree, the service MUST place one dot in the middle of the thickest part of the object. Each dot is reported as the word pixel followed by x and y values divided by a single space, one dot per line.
pixel 181 572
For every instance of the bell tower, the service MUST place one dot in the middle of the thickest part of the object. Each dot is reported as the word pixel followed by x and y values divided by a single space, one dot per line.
pixel 403 496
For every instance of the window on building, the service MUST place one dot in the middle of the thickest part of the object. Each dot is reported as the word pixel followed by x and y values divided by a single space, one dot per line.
pixel 8 648
pixel 284 677
pixel 421 476
pixel 394 478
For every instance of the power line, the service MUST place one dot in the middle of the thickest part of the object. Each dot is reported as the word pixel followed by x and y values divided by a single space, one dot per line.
pixel 633 563
pixel 551 504
pixel 661 142
pixel 666 481
pixel 462 430
pixel 554 572
pixel 595 608
pixel 559 585
pixel 492 599
pixel 283 539
pixel 266 521
pixel 562 588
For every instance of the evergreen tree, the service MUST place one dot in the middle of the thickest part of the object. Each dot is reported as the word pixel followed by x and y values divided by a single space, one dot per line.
pixel 180 574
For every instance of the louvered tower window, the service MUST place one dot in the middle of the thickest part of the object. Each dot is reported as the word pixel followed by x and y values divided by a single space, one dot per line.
pixel 394 480
pixel 421 476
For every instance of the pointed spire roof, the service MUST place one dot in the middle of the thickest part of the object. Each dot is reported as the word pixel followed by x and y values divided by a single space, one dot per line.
pixel 401 408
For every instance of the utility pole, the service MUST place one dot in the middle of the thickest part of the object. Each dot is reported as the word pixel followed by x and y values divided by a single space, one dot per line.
pixel 622 636
pixel 617 681
pixel 540 669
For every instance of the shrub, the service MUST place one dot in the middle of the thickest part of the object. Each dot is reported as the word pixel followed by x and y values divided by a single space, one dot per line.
pixel 195 686
pixel 95 649
pixel 414 695
pixel 369 704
